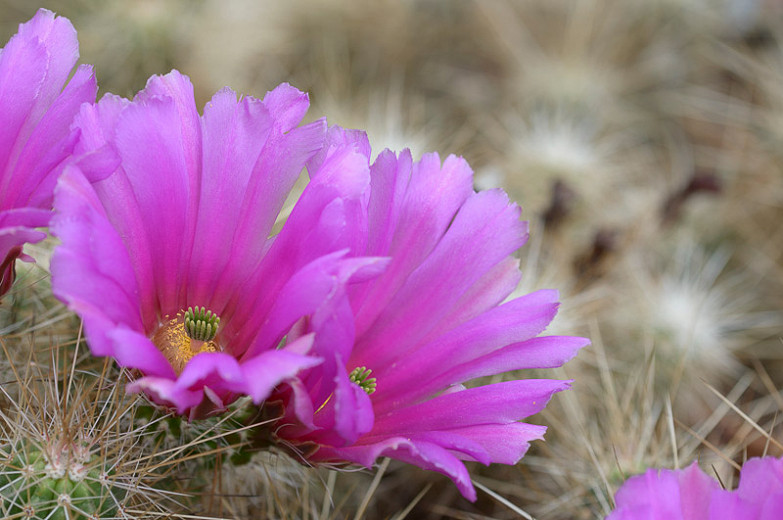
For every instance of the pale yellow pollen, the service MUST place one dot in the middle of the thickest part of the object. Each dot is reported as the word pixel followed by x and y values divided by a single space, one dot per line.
pixel 172 340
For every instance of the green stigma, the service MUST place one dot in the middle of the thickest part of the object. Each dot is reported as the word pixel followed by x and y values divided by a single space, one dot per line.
pixel 361 376
pixel 201 324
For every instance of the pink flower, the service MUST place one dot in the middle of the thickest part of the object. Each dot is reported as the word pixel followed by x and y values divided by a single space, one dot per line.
pixel 666 494
pixel 690 494
pixel 434 320
pixel 35 136
pixel 759 495
pixel 169 260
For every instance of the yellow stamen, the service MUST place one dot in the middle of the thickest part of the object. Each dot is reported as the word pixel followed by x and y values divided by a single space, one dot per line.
pixel 322 406
pixel 178 347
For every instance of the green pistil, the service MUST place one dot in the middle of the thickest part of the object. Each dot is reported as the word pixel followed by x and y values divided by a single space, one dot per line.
pixel 201 324
pixel 361 376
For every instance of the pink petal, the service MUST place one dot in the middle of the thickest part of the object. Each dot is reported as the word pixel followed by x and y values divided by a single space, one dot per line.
pixel 337 138
pixel 541 352
pixel 513 322
pixel 725 505
pixel 17 227
pixel 421 453
pixel 461 446
pixel 217 370
pixel 91 271
pixel 320 220
pixel 34 66
pixel 772 508
pixel 35 137
pixel 151 142
pixel 484 232
pixel 134 350
pixel 287 105
pixel 504 443
pixel 267 370
pixel 760 478
pixel 234 134
pixel 498 403
pixel 696 489
pixel 59 38
pixel 250 194
pixel 97 125
pixel 22 74
pixel 409 213
pixel 52 142
pixel 164 391
pixel 653 495
pixel 347 412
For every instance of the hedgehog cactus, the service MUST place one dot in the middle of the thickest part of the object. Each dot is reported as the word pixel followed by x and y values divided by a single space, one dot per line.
pixel 168 431
pixel 66 480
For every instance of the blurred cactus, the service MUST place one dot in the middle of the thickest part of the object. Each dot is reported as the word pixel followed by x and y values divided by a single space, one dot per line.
pixel 68 481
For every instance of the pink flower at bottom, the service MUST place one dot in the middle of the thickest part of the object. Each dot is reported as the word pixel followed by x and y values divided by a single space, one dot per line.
pixel 690 494
pixel 671 494
pixel 395 381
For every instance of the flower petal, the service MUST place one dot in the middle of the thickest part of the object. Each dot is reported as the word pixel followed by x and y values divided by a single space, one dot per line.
pixel 267 370
pixel 760 478
pixel 484 232
pixel 130 348
pixel 696 489
pixel 274 173
pixel 35 137
pixel 34 66
pixel 504 443
pixel 51 143
pixel 424 454
pixel 499 403
pixel 649 496
pixel 338 138
pixel 513 322
pixel 151 140
pixel 97 125
pixel 541 352
pixel 321 220
pixel 59 38
pixel 164 391
pixel 410 208
pixel 91 270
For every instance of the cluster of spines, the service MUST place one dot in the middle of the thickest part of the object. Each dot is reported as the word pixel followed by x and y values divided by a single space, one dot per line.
pixel 174 431
pixel 33 486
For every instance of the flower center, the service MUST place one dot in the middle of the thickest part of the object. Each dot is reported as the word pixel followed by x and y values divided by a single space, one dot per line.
pixel 187 334
pixel 361 376
pixel 201 324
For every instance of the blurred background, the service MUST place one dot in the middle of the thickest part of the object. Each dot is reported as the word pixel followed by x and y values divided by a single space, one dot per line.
pixel 643 140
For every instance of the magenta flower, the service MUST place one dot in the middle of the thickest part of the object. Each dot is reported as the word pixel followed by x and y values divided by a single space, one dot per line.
pixel 665 494
pixel 35 136
pixel 392 383
pixel 690 494
pixel 759 495
pixel 169 260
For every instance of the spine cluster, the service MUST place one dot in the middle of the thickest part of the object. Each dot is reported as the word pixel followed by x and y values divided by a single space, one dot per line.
pixel 64 482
